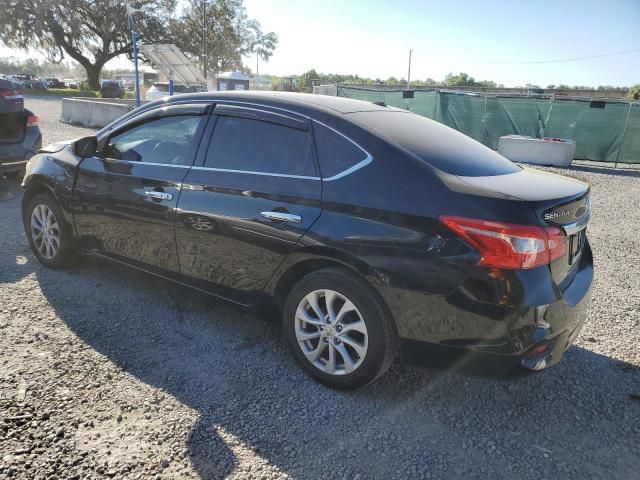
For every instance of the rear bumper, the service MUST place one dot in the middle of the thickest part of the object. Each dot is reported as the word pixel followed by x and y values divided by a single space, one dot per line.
pixel 15 156
pixel 562 320
pixel 13 165
pixel 505 313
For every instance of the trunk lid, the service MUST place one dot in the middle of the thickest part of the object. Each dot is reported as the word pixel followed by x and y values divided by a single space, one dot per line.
pixel 556 201
pixel 13 121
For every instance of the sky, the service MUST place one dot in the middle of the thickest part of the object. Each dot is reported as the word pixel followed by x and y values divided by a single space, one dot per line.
pixel 373 38
pixel 482 38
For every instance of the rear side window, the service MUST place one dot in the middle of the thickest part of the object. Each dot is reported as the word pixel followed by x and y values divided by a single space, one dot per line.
pixel 255 146
pixel 336 153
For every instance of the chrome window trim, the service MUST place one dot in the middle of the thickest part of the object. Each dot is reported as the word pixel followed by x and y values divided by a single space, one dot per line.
pixel 250 172
pixel 361 164
pixel 350 170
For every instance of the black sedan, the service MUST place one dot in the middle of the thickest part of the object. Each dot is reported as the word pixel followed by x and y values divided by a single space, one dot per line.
pixel 362 225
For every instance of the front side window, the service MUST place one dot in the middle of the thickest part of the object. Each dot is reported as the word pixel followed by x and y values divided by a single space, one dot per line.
pixel 257 146
pixel 168 140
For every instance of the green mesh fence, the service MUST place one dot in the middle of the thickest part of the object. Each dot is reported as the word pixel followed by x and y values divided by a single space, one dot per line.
pixel 630 145
pixel 603 131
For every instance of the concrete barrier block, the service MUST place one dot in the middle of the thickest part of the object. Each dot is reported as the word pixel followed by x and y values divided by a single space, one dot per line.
pixel 331 90
pixel 537 151
pixel 92 113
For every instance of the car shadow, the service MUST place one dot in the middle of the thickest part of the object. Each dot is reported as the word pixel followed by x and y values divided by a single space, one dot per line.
pixel 458 418
pixel 235 371
pixel 15 255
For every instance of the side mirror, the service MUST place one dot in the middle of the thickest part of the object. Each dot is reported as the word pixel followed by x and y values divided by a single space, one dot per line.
pixel 85 147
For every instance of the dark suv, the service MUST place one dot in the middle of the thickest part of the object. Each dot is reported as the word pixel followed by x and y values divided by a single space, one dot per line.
pixel 112 89
pixel 20 135
pixel 362 224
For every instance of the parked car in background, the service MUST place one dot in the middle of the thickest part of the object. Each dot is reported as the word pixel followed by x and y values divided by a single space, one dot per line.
pixel 20 135
pixel 71 83
pixel 112 89
pixel 161 89
pixel 362 225
pixel 22 77
pixel 11 99
pixel 53 82
pixel 29 82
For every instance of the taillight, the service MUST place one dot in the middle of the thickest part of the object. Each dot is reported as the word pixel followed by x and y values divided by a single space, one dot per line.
pixel 11 94
pixel 32 120
pixel 509 245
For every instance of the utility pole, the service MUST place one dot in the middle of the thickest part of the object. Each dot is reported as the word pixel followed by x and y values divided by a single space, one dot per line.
pixel 134 41
pixel 204 41
pixel 409 74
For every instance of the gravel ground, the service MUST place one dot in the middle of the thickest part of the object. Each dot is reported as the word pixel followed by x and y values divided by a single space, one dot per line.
pixel 105 372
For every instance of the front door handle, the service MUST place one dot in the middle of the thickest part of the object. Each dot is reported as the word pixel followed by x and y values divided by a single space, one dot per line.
pixel 158 195
pixel 282 217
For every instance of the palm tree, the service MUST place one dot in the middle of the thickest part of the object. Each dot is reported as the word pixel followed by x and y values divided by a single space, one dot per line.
pixel 262 44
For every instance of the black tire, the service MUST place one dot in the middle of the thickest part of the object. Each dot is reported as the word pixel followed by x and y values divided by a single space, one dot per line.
pixel 65 255
pixel 16 175
pixel 382 336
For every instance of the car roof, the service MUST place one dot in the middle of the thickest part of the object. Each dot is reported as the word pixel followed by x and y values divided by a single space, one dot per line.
pixel 292 100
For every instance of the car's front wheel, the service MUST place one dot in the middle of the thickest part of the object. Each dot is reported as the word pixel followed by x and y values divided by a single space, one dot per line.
pixel 48 233
pixel 338 329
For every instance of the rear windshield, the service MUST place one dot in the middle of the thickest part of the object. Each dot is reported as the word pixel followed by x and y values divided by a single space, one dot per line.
pixel 435 143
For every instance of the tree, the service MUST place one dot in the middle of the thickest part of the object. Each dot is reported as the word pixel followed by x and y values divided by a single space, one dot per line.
pixel 91 32
pixel 262 44
pixel 230 34
pixel 304 81
pixel 487 84
pixel 634 92
pixel 459 80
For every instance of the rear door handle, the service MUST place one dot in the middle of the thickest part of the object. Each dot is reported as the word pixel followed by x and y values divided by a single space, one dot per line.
pixel 158 195
pixel 282 217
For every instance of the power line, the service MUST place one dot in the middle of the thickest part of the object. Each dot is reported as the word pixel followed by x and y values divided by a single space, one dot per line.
pixel 560 60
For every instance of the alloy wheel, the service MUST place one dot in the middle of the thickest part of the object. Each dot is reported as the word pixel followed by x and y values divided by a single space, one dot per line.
pixel 331 332
pixel 45 231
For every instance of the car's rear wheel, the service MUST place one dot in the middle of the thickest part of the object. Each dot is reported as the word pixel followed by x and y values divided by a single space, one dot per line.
pixel 338 329
pixel 48 233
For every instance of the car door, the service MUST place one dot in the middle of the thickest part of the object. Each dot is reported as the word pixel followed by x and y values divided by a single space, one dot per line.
pixel 248 203
pixel 125 197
